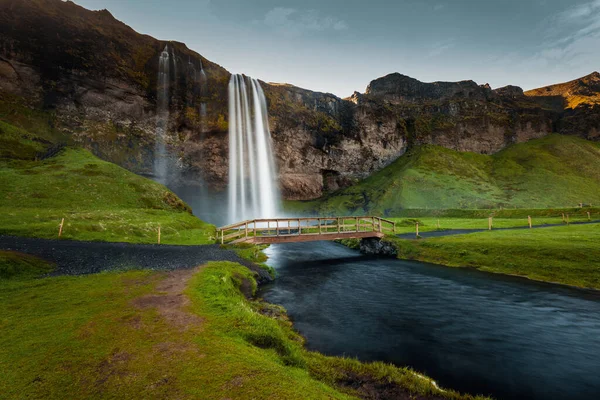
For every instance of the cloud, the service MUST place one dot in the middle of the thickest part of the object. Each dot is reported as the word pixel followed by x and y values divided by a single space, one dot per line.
pixel 441 47
pixel 579 11
pixel 293 22
pixel 572 37
pixel 438 7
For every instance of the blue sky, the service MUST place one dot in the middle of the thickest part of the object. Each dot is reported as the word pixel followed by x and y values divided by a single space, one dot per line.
pixel 339 46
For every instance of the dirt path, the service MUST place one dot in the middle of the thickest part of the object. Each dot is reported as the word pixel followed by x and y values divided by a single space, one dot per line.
pixel 79 258
pixel 170 300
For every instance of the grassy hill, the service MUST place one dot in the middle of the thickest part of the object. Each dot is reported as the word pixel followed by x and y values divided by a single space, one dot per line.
pixel 99 200
pixel 555 171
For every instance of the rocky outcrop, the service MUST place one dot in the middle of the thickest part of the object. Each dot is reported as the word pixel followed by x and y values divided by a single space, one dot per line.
pixel 379 247
pixel 577 102
pixel 99 77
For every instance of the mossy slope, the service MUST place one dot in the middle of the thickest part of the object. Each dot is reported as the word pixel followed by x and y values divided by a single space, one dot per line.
pixel 555 171
pixel 98 199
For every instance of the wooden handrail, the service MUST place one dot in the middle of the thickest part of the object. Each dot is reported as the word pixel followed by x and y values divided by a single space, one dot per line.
pixel 325 226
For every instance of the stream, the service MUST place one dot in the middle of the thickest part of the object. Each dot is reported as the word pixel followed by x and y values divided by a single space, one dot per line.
pixel 468 330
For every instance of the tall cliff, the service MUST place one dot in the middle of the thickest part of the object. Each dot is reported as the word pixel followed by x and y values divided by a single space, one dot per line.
pixel 98 78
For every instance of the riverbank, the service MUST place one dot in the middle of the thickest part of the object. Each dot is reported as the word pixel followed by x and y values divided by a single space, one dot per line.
pixel 194 333
pixel 567 255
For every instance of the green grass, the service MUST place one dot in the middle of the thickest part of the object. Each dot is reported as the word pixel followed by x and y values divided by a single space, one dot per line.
pixel 568 254
pixel 429 224
pixel 14 265
pixel 99 201
pixel 555 171
pixel 87 337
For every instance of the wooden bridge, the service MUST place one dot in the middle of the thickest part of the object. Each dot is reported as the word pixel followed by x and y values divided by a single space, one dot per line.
pixel 288 230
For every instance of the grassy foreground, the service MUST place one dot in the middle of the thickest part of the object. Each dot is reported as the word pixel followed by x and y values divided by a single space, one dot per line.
pixel 567 254
pixel 111 336
pixel 556 170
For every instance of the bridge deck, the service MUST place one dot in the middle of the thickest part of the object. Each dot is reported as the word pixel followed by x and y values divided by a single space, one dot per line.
pixel 289 230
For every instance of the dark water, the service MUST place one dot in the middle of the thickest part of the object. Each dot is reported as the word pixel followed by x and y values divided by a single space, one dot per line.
pixel 470 331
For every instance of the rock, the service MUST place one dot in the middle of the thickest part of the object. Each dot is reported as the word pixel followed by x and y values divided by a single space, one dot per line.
pixel 375 246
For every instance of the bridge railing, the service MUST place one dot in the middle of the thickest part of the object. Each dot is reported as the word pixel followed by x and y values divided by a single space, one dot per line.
pixel 247 230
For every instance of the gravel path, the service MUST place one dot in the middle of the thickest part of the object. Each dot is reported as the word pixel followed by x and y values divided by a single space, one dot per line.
pixel 451 232
pixel 78 258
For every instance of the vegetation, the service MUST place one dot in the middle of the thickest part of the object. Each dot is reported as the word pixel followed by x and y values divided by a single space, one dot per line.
pixel 428 224
pixel 567 254
pixel 97 199
pixel 107 336
pixel 252 253
pixel 553 171
pixel 14 265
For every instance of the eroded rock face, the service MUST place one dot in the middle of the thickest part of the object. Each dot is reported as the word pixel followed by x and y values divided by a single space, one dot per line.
pixel 99 77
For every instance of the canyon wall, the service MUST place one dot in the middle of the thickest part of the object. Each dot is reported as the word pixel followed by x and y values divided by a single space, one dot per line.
pixel 98 79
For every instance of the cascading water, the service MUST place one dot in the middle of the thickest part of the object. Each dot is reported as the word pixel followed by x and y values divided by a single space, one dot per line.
pixel 160 167
pixel 253 190
pixel 203 93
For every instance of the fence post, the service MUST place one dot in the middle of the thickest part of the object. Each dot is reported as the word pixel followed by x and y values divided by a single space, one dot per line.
pixel 338 224
pixel 299 229
pixel 246 229
pixel 380 226
pixel 417 227
pixel 490 223
pixel 159 234
pixel 589 216
pixel 529 220
pixel 357 224
pixel 60 227
pixel 563 217
pixel 222 236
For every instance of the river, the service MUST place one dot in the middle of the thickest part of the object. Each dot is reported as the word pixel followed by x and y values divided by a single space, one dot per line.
pixel 470 331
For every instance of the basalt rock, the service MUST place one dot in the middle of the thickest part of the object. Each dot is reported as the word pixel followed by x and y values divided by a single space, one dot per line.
pixel 380 247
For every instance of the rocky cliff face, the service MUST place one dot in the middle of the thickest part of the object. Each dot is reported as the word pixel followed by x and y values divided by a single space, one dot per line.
pixel 99 77
pixel 577 102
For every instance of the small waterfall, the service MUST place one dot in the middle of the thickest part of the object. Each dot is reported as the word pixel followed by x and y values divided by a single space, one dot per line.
pixel 253 190
pixel 160 167
pixel 203 80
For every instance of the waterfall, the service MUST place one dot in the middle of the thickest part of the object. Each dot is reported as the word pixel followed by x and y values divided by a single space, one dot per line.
pixel 203 94
pixel 253 189
pixel 160 166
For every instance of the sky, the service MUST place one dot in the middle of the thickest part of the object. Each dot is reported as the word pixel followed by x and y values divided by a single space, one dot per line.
pixel 339 46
